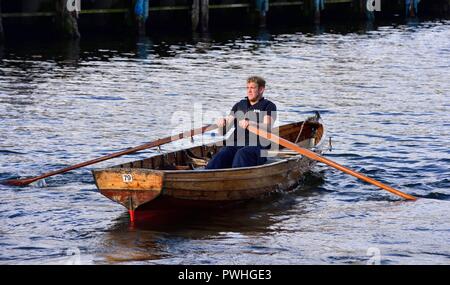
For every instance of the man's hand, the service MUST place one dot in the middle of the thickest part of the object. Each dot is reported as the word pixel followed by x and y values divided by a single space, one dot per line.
pixel 244 123
pixel 221 122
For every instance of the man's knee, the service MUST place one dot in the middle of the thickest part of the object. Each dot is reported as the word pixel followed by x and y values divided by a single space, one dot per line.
pixel 222 159
pixel 247 156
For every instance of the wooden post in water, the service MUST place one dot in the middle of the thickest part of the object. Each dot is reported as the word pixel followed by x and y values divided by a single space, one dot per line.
pixel 200 15
pixel 66 19
pixel 195 14
pixel 141 15
pixel 365 13
pixel 411 9
pixel 141 31
pixel 316 11
pixel 359 9
pixel 2 34
pixel 205 14
pixel 262 6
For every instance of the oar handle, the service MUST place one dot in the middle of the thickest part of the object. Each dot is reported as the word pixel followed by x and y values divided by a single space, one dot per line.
pixel 190 133
pixel 314 156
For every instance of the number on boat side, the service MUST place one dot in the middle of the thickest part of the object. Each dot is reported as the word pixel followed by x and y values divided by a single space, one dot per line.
pixel 127 178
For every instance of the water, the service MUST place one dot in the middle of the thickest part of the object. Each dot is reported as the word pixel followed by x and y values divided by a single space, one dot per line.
pixel 383 93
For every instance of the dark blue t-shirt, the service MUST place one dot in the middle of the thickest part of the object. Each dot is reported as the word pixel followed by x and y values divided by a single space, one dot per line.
pixel 255 113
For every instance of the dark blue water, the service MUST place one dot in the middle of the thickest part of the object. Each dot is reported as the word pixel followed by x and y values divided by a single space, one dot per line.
pixel 383 92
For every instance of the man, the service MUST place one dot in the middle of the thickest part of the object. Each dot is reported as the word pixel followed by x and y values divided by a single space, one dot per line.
pixel 245 149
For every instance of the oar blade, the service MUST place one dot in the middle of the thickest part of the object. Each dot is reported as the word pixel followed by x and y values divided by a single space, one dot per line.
pixel 18 182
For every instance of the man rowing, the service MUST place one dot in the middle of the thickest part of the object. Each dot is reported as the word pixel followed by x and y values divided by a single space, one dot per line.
pixel 244 149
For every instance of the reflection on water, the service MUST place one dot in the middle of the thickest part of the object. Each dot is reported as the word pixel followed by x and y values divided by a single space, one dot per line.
pixel 154 240
pixel 381 89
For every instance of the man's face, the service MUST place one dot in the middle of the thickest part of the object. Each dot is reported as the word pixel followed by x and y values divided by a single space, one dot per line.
pixel 254 92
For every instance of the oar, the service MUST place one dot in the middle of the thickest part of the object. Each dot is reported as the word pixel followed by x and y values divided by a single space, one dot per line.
pixel 315 156
pixel 191 133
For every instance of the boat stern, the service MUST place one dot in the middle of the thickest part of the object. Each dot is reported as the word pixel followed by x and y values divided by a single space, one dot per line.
pixel 129 187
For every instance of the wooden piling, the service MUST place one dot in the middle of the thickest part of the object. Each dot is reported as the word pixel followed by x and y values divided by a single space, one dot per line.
pixel 205 14
pixel 411 10
pixel 2 34
pixel 360 7
pixel 66 21
pixel 311 11
pixel 141 28
pixel 200 15
pixel 261 8
pixel 195 14
pixel 262 20
pixel 141 9
pixel 370 15
pixel 316 12
pixel 364 13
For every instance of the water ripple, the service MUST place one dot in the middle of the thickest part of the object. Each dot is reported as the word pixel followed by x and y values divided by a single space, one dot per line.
pixel 383 95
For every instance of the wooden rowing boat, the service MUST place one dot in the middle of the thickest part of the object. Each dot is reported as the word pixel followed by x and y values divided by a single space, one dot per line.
pixel 177 179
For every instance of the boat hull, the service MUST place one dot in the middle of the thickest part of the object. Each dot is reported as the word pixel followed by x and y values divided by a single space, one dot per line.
pixel 150 184
pixel 206 185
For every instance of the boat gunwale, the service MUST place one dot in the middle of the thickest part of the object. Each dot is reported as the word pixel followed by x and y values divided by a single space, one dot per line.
pixel 316 148
pixel 284 160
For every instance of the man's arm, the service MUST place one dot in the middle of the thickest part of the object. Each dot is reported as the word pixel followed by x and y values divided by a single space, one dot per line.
pixel 268 121
pixel 224 124
pixel 265 125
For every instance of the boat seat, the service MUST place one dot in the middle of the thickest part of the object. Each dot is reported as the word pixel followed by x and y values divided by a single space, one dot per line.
pixel 272 160
pixel 199 163
pixel 176 167
pixel 308 143
pixel 194 160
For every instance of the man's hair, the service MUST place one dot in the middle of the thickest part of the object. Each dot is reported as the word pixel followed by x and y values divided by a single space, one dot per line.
pixel 258 80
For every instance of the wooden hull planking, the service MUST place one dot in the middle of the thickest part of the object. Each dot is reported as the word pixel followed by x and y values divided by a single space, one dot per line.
pixel 143 183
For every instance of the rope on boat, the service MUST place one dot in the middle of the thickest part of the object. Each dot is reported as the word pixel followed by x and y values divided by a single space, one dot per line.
pixel 316 117
pixel 299 133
